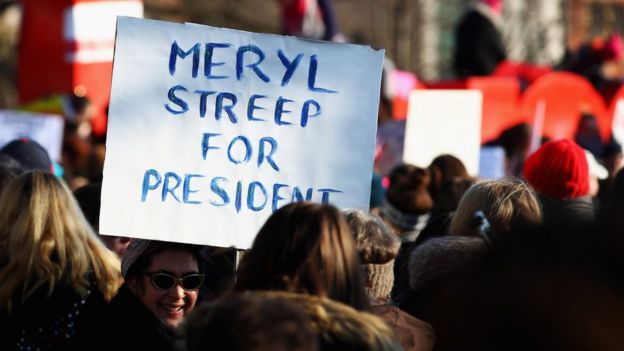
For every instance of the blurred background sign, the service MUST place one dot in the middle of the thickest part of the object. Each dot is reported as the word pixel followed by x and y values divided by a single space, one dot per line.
pixel 66 47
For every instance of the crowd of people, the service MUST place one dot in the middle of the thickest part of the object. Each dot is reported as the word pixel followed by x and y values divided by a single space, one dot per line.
pixel 445 261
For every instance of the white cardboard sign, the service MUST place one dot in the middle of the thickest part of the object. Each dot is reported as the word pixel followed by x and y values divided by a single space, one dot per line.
pixel 444 122
pixel 211 130
pixel 45 129
pixel 492 162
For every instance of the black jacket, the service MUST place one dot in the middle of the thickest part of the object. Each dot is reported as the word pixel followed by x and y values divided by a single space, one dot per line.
pixel 479 46
pixel 49 322
pixel 124 324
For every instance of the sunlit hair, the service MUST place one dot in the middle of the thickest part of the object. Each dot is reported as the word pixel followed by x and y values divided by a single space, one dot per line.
pixel 45 241
pixel 375 241
pixel 305 248
pixel 507 204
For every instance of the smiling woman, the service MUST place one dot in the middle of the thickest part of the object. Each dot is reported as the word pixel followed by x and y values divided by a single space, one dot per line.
pixel 168 288
pixel 161 287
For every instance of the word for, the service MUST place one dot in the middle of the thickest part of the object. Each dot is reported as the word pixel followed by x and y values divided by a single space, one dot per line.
pixel 254 196
pixel 267 146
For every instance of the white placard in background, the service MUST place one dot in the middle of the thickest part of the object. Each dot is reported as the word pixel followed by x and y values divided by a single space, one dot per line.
pixel 492 162
pixel 45 129
pixel 89 28
pixel 210 130
pixel 444 122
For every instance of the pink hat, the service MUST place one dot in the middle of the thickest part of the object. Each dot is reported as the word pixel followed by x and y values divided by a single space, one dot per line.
pixel 613 48
pixel 495 5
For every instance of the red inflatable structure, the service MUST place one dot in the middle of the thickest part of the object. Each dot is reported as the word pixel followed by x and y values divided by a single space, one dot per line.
pixel 67 46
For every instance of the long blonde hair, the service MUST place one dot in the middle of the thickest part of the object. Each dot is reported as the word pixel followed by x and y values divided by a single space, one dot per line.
pixel 45 240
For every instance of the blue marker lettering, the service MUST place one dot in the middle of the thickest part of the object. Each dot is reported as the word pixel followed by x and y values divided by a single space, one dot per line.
pixel 252 106
pixel 290 66
pixel 262 153
pixel 228 108
pixel 176 100
pixel 186 190
pixel 202 101
pixel 298 196
pixel 326 192
pixel 305 111
pixel 240 54
pixel 167 188
pixel 208 64
pixel 276 196
pixel 279 110
pixel 239 191
pixel 177 52
pixel 247 144
pixel 219 191
pixel 206 144
pixel 251 191
pixel 147 184
pixel 312 77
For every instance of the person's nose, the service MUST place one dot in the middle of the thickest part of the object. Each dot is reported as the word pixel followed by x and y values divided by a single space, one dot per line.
pixel 177 291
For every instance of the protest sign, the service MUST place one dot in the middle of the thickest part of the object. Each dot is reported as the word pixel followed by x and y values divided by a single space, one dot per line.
pixel 211 130
pixel 443 122
pixel 492 162
pixel 46 129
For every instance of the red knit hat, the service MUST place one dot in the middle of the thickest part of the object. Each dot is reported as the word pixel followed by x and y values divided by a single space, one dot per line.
pixel 558 170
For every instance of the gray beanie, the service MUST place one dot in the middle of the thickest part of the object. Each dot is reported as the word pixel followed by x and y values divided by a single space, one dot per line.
pixel 377 247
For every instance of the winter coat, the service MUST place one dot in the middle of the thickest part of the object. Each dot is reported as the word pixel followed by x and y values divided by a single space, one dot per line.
pixel 577 213
pixel 414 334
pixel 409 240
pixel 126 323
pixel 52 322
pixel 479 45
pixel 478 297
pixel 341 327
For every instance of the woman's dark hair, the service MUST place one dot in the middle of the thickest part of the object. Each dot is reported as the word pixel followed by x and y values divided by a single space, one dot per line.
pixel 305 248
pixel 249 321
pixel 88 197
pixel 445 169
pixel 9 168
pixel 408 189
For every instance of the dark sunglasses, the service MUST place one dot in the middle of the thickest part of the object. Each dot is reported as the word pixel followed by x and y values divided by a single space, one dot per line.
pixel 165 281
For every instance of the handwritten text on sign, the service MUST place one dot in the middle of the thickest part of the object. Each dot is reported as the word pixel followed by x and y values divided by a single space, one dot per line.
pixel 222 127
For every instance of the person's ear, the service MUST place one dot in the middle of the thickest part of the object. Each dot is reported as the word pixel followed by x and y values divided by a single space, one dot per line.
pixel 133 284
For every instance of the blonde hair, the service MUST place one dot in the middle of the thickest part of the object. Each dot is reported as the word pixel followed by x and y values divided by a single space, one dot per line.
pixel 45 240
pixel 507 204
